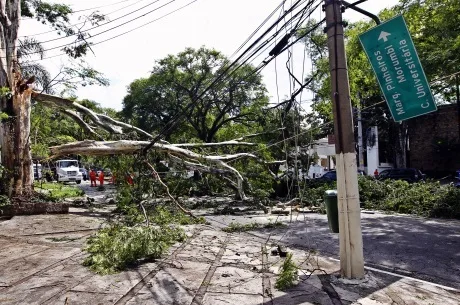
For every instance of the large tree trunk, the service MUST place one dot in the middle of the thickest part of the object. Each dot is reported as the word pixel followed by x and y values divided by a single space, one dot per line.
pixel 15 130
pixel 401 146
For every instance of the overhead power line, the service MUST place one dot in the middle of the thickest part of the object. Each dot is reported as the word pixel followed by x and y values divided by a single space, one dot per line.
pixel 87 9
pixel 121 34
pixel 98 7
pixel 110 21
pixel 258 28
pixel 83 22
pixel 172 123
pixel 103 32
pixel 261 50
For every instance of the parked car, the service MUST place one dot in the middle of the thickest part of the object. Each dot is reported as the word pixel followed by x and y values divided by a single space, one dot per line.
pixel 332 176
pixel 84 173
pixel 406 174
pixel 328 176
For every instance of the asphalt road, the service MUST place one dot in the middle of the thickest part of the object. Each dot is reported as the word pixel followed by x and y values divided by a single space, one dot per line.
pixel 428 249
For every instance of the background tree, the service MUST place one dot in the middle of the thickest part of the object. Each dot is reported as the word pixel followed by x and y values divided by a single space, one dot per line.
pixel 16 91
pixel 434 29
pixel 177 80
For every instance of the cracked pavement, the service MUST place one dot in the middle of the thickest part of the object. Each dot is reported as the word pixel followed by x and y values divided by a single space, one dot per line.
pixel 424 248
pixel 40 263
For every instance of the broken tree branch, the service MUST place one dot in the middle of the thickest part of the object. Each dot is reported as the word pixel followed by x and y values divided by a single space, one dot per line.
pixel 74 115
pixel 157 177
pixel 226 143
pixel 253 135
pixel 101 120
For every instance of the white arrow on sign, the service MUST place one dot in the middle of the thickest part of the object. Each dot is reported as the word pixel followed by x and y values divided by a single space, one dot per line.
pixel 384 35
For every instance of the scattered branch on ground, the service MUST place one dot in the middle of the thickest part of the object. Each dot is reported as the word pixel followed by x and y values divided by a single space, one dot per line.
pixel 288 274
pixel 115 247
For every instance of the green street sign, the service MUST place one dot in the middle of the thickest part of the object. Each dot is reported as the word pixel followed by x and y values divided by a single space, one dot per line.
pixel 393 57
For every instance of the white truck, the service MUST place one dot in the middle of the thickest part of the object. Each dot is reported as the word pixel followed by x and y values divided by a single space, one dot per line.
pixel 67 171
pixel 37 171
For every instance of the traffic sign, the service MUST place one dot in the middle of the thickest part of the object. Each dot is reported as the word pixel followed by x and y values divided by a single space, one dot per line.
pixel 393 57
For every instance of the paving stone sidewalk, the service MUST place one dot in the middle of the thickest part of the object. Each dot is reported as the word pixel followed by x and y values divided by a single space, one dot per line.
pixel 40 263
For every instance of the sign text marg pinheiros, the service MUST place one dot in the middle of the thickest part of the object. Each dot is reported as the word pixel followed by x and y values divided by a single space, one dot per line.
pixel 396 64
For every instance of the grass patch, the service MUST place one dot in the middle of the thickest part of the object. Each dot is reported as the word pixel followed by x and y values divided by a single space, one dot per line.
pixel 57 191
pixel 274 225
pixel 288 274
pixel 236 227
pixel 62 239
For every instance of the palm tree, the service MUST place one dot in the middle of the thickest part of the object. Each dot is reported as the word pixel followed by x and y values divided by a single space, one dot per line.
pixel 28 47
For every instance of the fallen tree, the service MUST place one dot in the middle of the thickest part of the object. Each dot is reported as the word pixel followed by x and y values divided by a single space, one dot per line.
pixel 189 159
pixel 182 152
pixel 216 164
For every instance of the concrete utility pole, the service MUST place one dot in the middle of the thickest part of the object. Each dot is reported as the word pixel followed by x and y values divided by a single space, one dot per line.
pixel 351 242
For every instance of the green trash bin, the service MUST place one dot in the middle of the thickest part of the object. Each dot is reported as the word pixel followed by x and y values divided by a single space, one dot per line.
pixel 332 210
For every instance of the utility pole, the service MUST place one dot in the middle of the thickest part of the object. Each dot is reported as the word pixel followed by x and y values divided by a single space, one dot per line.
pixel 351 242
pixel 457 91
pixel 360 135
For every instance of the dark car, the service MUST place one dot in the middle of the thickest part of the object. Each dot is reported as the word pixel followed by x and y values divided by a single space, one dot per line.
pixel 332 176
pixel 84 173
pixel 406 174
pixel 328 176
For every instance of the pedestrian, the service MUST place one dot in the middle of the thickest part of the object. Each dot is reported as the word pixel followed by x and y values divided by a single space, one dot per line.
pixel 101 178
pixel 129 179
pixel 92 177
pixel 376 173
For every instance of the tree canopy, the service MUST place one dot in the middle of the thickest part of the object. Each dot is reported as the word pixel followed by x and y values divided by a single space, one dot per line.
pixel 178 81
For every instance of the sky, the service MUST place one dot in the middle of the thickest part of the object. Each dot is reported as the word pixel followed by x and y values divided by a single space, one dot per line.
pixel 220 24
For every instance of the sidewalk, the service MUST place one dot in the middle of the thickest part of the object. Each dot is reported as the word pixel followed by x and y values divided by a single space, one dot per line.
pixel 40 263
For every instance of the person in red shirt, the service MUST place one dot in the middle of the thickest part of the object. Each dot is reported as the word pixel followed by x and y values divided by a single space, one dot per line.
pixel 101 178
pixel 92 177
pixel 129 179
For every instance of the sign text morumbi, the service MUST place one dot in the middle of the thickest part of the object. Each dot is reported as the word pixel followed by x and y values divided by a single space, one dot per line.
pixel 394 59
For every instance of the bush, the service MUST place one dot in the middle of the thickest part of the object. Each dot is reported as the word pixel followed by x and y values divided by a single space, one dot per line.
pixel 4 201
pixel 448 204
pixel 114 248
pixel 313 191
pixel 428 199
